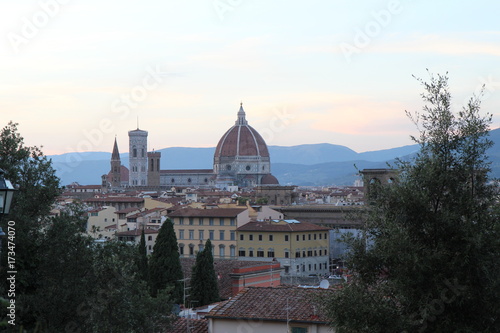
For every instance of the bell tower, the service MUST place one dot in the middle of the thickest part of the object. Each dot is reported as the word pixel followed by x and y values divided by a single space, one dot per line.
pixel 115 167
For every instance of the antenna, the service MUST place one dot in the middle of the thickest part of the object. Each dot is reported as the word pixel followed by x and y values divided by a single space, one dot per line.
pixel 137 122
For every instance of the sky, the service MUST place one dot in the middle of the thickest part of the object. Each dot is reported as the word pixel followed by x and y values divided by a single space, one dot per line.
pixel 76 74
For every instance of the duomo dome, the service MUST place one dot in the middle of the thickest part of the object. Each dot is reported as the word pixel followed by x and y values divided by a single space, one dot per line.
pixel 241 156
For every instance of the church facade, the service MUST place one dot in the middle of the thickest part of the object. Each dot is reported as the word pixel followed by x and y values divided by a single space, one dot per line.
pixel 241 159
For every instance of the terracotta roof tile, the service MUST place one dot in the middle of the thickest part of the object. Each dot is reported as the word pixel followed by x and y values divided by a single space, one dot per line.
pixel 196 326
pixel 267 303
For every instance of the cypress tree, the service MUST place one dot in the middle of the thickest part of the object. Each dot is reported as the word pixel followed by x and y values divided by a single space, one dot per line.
pixel 165 266
pixel 204 288
pixel 142 259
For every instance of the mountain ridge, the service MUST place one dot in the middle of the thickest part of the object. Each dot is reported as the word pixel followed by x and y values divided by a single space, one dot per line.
pixel 307 164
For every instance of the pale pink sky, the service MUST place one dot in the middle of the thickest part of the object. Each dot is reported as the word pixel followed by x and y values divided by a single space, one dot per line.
pixel 76 74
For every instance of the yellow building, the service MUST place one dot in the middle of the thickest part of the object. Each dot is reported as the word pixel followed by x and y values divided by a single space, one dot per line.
pixel 99 221
pixel 300 247
pixel 193 226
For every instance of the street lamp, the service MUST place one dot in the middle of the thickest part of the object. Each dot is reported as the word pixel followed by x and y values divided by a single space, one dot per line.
pixel 6 194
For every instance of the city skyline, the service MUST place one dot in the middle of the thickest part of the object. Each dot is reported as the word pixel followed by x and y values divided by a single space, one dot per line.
pixel 77 75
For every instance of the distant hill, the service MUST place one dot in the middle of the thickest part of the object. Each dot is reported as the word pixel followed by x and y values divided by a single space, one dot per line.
pixel 311 164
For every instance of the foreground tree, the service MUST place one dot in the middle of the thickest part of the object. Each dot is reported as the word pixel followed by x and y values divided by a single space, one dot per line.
pixel 204 288
pixel 142 260
pixel 165 266
pixel 64 282
pixel 428 258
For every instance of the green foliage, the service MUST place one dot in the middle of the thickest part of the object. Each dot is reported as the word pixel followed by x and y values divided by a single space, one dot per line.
pixel 262 201
pixel 65 282
pixel 165 267
pixel 120 301
pixel 142 261
pixel 204 288
pixel 428 258
pixel 242 201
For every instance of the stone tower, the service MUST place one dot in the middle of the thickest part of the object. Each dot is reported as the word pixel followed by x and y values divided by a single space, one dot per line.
pixel 138 159
pixel 154 169
pixel 115 167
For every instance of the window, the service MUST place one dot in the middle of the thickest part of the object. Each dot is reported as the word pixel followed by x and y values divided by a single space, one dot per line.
pixel 286 238
pixel 181 234
pixel 325 235
pixel 221 235
pixel 211 221
pixel 181 220
pixel 191 234
pixel 242 237
pixel 315 253
pixel 320 236
pixel 221 221
pixel 304 254
pixel 232 251
pixel 222 251
pixel 200 233
pixel 181 250
pixel 260 237
pixel 270 253
pixel 314 236
pixel 250 253
pixel 303 237
pixel 211 235
pixel 297 238
pixel 287 254
pixel 297 254
pixel 309 253
pixel 299 330
pixel 241 253
pixel 191 221
pixel 271 238
pixel 260 253
pixel 233 235
pixel 309 237
pixel 250 237
pixel 150 238
pixel 232 222
pixel 191 249
pixel 200 221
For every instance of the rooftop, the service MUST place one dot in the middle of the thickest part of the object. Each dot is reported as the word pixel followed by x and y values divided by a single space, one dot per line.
pixel 215 212
pixel 281 226
pixel 274 304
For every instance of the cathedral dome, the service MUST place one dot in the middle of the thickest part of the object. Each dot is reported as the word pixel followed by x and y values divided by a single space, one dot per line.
pixel 241 140
pixel 269 179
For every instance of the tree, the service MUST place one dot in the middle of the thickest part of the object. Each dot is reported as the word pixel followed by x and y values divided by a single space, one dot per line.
pixel 428 258
pixel 142 261
pixel 204 287
pixel 165 266
pixel 120 301
pixel 37 187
